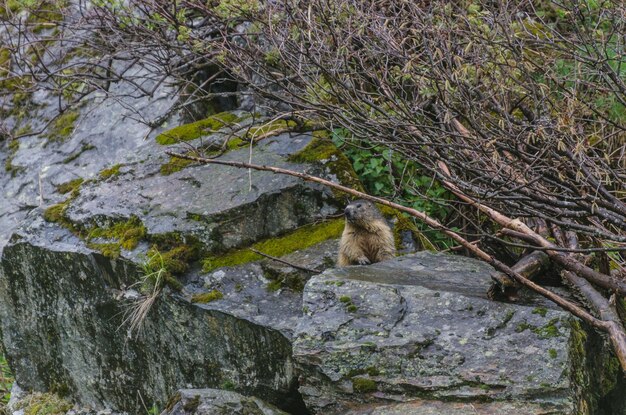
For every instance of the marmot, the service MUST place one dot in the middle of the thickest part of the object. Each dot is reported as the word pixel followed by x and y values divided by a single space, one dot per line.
pixel 366 237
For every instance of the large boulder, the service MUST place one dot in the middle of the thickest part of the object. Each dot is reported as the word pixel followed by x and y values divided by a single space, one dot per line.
pixel 421 326
pixel 63 326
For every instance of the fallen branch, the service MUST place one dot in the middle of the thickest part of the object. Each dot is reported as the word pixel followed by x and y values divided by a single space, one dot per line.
pixel 522 231
pixel 529 266
pixel 606 326
pixel 597 301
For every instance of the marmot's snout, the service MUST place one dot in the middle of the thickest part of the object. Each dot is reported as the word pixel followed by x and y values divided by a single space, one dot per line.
pixel 354 210
pixel 349 212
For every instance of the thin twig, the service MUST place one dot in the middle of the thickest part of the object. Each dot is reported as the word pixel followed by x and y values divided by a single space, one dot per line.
pixel 282 261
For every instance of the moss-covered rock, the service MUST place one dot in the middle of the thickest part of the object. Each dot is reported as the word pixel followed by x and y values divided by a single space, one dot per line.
pixel 322 151
pixel 127 233
pixel 207 297
pixel 174 165
pixel 302 238
pixel 70 186
pixel 197 129
pixel 63 126
pixel 110 172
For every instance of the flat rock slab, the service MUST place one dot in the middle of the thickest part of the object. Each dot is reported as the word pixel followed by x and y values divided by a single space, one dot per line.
pixel 217 402
pixel 422 326
pixel 223 207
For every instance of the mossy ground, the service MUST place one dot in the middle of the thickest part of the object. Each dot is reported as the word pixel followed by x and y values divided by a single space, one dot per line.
pixel 56 213
pixel 5 61
pixel 197 129
pixel 304 237
pixel 175 164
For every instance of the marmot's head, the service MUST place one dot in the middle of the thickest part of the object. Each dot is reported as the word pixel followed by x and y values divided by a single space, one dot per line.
pixel 362 213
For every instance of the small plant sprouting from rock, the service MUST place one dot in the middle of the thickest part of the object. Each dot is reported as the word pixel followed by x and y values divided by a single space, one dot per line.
pixel 151 285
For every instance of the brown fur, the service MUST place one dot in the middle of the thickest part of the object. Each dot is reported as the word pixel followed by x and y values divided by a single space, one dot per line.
pixel 366 238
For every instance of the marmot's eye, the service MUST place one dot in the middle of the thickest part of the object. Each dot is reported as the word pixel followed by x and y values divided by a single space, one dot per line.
pixel 358 205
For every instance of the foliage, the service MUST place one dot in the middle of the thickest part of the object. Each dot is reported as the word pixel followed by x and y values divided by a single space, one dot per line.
pixel 44 404
pixel 390 175
pixel 6 381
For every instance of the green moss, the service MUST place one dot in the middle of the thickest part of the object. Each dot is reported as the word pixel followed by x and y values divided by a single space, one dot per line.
pixel 271 127
pixel 70 186
pixel 110 172
pixel 549 330
pixel 44 404
pixel 5 61
pixel 175 164
pixel 322 150
pixel 56 213
pixel 363 385
pixel 523 327
pixel 9 167
pixel 352 308
pixel 553 353
pixel 207 297
pixel 110 250
pixel 345 299
pixel 127 233
pixel 163 266
pixel 6 381
pixel 45 15
pixel 227 385
pixel 74 156
pixel 299 239
pixel 63 126
pixel 274 285
pixel 541 311
pixel 196 129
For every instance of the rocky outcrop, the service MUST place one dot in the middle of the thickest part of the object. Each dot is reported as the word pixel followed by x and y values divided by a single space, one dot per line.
pixel 90 212
pixel 422 326
pixel 63 330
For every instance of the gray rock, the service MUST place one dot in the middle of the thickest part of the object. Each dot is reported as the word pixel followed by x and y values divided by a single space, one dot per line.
pixel 218 402
pixel 223 207
pixel 248 292
pixel 63 328
pixel 422 326
pixel 422 407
